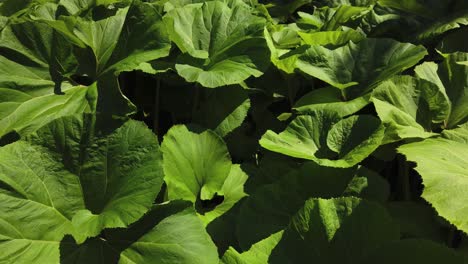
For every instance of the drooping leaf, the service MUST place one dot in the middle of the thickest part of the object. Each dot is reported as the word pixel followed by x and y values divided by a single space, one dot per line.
pixel 327 140
pixel 442 164
pixel 409 106
pixel 222 44
pixel 33 90
pixel 451 77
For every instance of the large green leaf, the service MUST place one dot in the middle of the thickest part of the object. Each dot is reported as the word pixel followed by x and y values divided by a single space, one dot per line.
pixel 413 251
pixel 223 110
pixel 459 134
pixel 330 99
pixel 257 254
pixel 364 63
pixel 222 44
pixel 443 166
pixel 340 230
pixel 327 140
pixel 269 208
pixel 409 106
pixel 452 77
pixel 169 233
pixel 204 171
pixel 32 87
pixel 112 40
pixel 76 175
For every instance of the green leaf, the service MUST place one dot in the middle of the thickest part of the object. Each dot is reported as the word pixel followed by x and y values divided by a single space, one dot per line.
pixel 330 99
pixel 257 254
pixel 444 173
pixel 363 64
pixel 120 39
pixel 409 106
pixel 416 220
pixel 75 176
pixel 451 77
pixel 327 140
pixel 169 233
pixel 223 110
pixel 205 171
pixel 369 185
pixel 413 251
pixel 459 134
pixel 340 230
pixel 32 87
pixel 331 38
pixel 222 45
pixel 270 207
pixel 454 20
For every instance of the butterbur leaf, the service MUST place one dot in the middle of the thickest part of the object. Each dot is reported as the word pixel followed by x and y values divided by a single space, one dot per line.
pixel 416 220
pixel 168 233
pixel 363 64
pixel 257 254
pixel 409 106
pixel 330 99
pixel 224 110
pixel 120 41
pixel 206 172
pixel 444 174
pixel 331 38
pixel 451 77
pixel 222 44
pixel 32 86
pixel 76 175
pixel 327 140
pixel 339 230
pixel 413 250
pixel 270 207
pixel 459 134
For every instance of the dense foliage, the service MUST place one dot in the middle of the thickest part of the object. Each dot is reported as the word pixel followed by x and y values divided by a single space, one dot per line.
pixel 233 131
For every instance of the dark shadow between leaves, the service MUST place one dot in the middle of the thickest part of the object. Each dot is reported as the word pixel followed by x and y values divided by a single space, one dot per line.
pixel 205 206
pixel 9 138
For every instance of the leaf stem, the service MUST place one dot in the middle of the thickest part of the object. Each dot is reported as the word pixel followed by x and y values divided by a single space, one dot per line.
pixel 403 178
pixel 156 110
pixel 196 99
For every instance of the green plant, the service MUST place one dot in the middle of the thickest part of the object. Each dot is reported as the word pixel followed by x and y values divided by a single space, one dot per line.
pixel 233 131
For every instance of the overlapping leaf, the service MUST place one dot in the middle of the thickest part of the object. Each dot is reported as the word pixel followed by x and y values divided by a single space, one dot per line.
pixel 326 139
pixel 205 171
pixel 169 233
pixel 32 86
pixel 77 176
pixel 409 107
pixel 222 44
pixel 451 76
pixel 442 164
